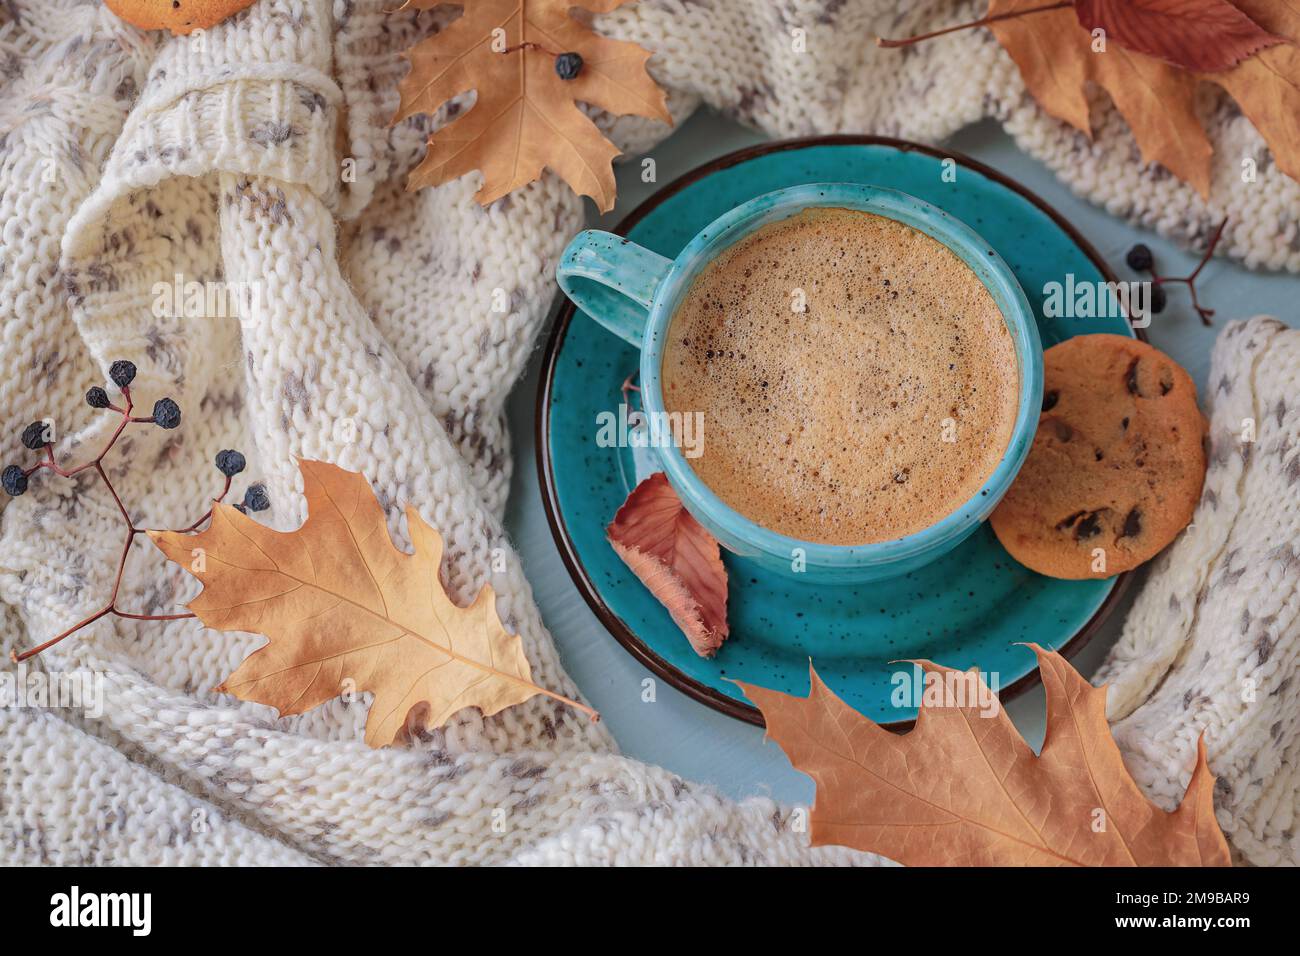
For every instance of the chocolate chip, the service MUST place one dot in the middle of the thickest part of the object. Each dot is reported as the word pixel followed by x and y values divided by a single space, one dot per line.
pixel 1086 524
pixel 1087 527
pixel 1132 524
pixel 1069 520
pixel 1063 431
pixel 1124 424
pixel 1050 399
pixel 1097 453
pixel 1131 380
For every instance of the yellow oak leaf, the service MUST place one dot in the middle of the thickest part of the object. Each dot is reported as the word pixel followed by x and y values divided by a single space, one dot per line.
pixel 962 788
pixel 525 117
pixel 345 609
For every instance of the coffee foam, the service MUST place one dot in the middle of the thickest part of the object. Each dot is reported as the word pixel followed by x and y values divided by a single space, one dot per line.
pixel 828 425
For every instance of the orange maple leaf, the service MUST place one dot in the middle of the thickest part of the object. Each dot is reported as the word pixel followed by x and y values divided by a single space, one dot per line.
pixel 962 788
pixel 525 117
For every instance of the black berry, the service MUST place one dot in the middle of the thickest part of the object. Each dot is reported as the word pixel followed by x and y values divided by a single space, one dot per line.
pixel 122 373
pixel 14 480
pixel 166 413
pixel 568 65
pixel 255 498
pixel 1158 299
pixel 34 436
pixel 1139 258
pixel 97 398
pixel 230 462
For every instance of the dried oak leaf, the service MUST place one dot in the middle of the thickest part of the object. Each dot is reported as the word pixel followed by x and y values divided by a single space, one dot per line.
pixel 1199 35
pixel 525 117
pixel 340 603
pixel 1054 54
pixel 181 17
pixel 676 559
pixel 961 789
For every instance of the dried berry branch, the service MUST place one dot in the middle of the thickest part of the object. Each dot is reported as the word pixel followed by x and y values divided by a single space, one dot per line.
pixel 1140 259
pixel 166 414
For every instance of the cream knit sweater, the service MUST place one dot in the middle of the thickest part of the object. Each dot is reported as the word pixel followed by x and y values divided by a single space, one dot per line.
pixel 259 153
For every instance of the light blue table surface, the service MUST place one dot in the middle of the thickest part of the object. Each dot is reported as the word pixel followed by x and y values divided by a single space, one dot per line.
pixel 691 739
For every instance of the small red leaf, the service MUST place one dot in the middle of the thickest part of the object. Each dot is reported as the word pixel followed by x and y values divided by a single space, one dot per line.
pixel 676 559
pixel 1203 36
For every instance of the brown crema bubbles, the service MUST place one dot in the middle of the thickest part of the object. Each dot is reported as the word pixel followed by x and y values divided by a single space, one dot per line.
pixel 857 380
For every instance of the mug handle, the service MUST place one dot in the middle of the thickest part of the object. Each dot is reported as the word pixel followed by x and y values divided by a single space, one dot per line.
pixel 613 280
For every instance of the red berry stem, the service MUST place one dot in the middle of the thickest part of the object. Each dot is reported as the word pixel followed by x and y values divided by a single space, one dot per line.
pixel 208 514
pixel 1190 280
pixel 19 658
pixel 982 22
pixel 132 530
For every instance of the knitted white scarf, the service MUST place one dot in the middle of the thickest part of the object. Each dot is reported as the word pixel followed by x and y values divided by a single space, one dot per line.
pixel 263 155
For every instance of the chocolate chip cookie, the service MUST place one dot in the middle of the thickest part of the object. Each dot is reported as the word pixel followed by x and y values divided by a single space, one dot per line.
pixel 182 17
pixel 1117 463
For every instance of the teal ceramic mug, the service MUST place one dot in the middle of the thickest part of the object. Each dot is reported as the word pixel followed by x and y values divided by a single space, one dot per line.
pixel 634 293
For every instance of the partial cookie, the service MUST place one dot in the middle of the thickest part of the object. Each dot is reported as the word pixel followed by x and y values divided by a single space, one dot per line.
pixel 179 16
pixel 1117 463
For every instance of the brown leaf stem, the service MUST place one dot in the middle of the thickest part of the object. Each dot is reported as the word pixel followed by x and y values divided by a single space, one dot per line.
pixel 628 387
pixel 528 46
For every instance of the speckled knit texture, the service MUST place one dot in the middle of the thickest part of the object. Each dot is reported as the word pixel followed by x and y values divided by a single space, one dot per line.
pixel 1212 644
pixel 392 326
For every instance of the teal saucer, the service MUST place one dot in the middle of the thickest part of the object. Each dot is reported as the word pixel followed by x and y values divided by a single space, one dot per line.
pixel 973 607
